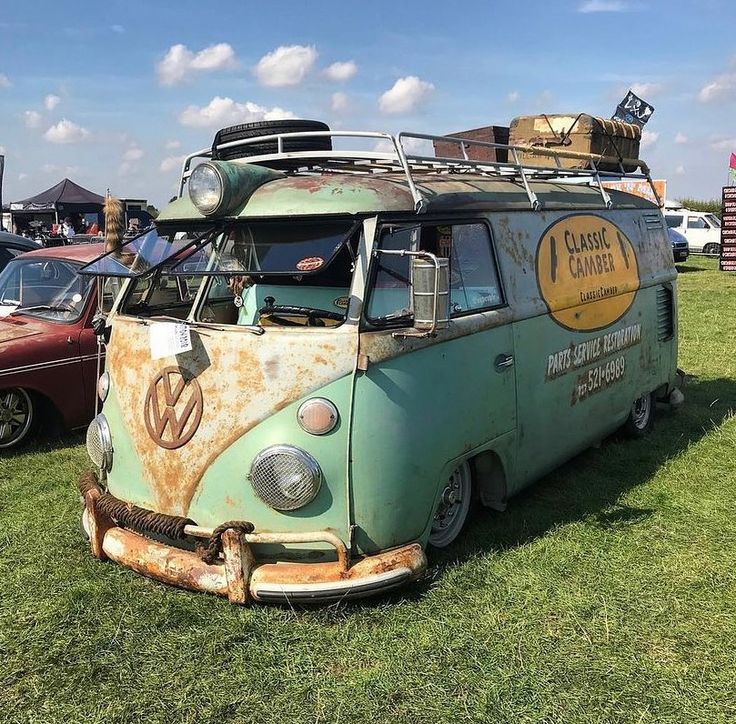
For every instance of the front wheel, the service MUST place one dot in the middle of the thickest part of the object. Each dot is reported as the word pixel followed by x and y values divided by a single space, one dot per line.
pixel 17 417
pixel 641 418
pixel 452 510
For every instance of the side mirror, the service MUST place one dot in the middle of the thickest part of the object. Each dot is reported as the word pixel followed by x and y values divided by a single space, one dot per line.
pixel 430 291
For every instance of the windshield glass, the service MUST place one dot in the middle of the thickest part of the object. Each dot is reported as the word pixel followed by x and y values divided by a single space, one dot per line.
pixel 268 248
pixel 50 288
pixel 151 249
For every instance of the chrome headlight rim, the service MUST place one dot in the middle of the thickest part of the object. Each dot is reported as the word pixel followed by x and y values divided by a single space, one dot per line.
pixel 103 386
pixel 204 208
pixel 304 458
pixel 334 415
pixel 105 437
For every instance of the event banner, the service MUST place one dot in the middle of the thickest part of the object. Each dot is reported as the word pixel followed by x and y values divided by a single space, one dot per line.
pixel 728 229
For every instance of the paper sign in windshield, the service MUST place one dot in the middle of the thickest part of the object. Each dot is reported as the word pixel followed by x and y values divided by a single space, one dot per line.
pixel 169 338
pixel 7 309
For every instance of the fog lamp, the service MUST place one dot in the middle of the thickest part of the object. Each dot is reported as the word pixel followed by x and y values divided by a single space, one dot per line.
pixel 285 477
pixel 99 443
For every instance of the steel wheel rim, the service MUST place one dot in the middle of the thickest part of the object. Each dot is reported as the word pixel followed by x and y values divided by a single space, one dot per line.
pixel 16 416
pixel 640 412
pixel 453 507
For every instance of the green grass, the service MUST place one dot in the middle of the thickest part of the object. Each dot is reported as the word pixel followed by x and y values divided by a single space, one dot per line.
pixel 606 593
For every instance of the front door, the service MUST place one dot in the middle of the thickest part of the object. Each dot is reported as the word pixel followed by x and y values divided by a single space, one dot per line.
pixel 423 404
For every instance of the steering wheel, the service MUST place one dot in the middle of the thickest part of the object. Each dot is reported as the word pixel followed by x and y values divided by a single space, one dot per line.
pixel 314 316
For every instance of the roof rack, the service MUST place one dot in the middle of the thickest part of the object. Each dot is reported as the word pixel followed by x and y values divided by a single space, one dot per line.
pixel 398 158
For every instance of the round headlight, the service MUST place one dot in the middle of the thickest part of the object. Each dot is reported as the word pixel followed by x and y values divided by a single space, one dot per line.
pixel 103 386
pixel 206 188
pixel 99 443
pixel 285 477
pixel 317 416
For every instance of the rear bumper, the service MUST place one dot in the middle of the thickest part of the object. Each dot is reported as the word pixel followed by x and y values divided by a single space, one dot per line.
pixel 240 577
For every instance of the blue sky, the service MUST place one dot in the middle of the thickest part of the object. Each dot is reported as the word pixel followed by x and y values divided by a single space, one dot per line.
pixel 113 94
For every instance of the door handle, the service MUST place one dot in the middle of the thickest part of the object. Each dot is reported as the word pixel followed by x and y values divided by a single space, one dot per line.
pixel 503 361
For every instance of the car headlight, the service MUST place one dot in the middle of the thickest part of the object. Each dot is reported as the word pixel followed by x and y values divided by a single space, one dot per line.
pixel 103 386
pixel 317 416
pixel 285 477
pixel 99 443
pixel 206 188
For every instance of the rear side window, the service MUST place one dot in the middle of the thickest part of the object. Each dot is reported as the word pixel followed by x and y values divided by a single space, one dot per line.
pixel 673 221
pixel 474 282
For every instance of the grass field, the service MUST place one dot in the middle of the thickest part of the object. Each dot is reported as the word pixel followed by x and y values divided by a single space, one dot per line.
pixel 606 593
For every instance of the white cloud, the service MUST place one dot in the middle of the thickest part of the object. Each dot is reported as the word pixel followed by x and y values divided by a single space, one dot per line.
pixel 513 96
pixel 648 138
pixel 22 176
pixel 723 144
pixel 51 101
pixel 411 145
pixel 341 71
pixel 171 163
pixel 681 138
pixel 286 66
pixel 170 145
pixel 66 132
pixel 134 153
pixel 604 6
pixel 2 150
pixel 340 102
pixel 4 81
pixel 680 171
pixel 225 111
pixel 722 88
pixel 51 168
pixel 117 29
pixel 32 119
pixel 179 62
pixel 646 90
pixel 406 95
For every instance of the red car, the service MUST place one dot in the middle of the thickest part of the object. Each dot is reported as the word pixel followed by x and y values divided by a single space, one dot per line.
pixel 48 349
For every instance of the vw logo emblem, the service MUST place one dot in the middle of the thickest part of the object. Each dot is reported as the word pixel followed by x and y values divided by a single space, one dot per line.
pixel 173 408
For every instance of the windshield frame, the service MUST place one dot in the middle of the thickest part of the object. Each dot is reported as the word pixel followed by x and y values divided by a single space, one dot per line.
pixel 43 314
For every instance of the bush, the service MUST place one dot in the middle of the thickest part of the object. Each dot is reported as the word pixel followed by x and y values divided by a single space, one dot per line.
pixel 713 206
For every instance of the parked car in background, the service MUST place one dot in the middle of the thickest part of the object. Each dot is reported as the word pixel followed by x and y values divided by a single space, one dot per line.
pixel 11 245
pixel 702 230
pixel 48 350
pixel 680 250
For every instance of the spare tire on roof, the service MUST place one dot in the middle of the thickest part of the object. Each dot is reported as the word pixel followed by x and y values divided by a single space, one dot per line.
pixel 266 128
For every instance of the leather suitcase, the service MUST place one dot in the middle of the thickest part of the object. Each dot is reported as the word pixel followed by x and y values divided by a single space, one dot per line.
pixel 580 133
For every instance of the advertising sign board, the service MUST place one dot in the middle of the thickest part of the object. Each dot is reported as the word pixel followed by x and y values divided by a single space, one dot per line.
pixel 728 229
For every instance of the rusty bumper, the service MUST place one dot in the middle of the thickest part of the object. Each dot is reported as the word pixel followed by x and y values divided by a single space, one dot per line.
pixel 240 577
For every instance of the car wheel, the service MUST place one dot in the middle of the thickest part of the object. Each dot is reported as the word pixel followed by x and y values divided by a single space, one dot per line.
pixel 17 417
pixel 453 507
pixel 641 418
pixel 266 128
pixel 712 249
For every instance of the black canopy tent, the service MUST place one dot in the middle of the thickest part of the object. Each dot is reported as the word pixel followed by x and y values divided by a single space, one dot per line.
pixel 66 199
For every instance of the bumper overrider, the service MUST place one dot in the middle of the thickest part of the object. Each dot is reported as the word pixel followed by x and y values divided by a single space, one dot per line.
pixel 223 562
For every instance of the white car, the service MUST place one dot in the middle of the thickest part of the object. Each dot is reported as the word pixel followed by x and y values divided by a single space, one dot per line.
pixel 702 230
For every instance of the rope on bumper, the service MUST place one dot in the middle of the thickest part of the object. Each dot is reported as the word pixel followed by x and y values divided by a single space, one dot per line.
pixel 131 516
pixel 210 552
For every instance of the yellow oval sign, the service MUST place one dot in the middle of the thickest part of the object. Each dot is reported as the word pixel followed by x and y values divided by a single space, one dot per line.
pixel 587 272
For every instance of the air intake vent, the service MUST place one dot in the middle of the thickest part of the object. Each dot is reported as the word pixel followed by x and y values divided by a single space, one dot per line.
pixel 665 314
pixel 653 221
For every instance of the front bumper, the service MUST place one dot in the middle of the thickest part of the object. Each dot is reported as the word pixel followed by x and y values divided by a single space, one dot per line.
pixel 239 576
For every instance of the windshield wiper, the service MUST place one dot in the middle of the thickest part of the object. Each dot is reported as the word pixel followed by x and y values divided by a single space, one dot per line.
pixel 50 307
pixel 394 317
pixel 255 329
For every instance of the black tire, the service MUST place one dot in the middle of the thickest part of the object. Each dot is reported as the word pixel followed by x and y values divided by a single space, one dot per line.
pixel 18 417
pixel 641 418
pixel 265 128
pixel 712 249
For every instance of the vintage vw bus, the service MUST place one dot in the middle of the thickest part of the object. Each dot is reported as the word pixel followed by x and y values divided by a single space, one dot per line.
pixel 319 357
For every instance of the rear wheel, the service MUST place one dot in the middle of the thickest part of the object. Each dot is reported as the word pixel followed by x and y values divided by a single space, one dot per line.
pixel 712 249
pixel 17 417
pixel 453 507
pixel 641 418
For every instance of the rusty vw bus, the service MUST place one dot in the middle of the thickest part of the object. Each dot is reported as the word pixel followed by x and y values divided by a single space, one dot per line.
pixel 320 357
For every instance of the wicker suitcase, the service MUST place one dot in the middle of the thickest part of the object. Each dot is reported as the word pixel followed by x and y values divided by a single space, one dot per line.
pixel 488 134
pixel 579 133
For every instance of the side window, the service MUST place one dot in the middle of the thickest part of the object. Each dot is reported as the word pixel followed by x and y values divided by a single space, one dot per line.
pixel 474 281
pixel 695 222
pixel 673 221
